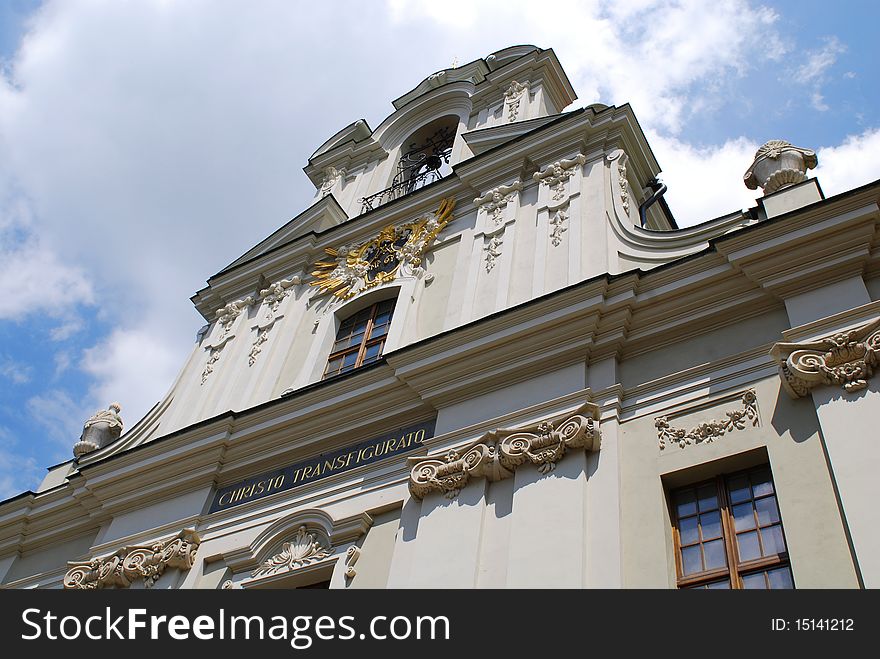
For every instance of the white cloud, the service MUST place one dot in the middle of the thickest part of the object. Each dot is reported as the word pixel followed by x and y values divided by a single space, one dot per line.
pixel 60 416
pixel 17 473
pixel 819 61
pixel 62 361
pixel 814 71
pixel 33 279
pixel 647 53
pixel 134 366
pixel 704 182
pixel 848 165
pixel 14 371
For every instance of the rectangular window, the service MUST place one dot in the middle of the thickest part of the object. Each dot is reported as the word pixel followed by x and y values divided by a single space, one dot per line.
pixel 360 339
pixel 728 533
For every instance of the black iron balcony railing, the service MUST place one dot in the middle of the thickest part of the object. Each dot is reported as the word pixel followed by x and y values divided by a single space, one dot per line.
pixel 400 189
pixel 418 166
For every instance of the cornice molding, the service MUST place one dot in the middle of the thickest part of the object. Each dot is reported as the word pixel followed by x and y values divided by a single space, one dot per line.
pixel 498 453
pixel 147 562
pixel 846 359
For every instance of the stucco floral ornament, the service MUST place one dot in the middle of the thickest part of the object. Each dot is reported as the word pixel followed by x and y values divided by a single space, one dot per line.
pixel 379 260
pixel 147 562
pixel 709 431
pixel 846 359
pixel 498 454
pixel 779 164
pixel 304 548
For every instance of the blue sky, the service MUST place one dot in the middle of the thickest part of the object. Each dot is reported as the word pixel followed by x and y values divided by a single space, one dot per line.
pixel 145 145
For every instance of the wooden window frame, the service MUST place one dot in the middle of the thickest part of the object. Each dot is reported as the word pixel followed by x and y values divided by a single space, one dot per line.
pixel 735 569
pixel 366 342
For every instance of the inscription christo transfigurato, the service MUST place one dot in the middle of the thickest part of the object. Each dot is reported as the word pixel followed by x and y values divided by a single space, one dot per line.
pixel 321 466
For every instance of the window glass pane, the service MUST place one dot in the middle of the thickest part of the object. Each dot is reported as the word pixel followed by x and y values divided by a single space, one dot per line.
pixel 378 330
pixel 747 543
pixel 685 503
pixel 714 554
pixel 780 578
pixel 761 482
pixel 773 541
pixel 754 581
pixel 690 560
pixel 708 499
pixel 739 489
pixel 334 365
pixel 744 517
pixel 688 531
pixel 372 352
pixel 360 327
pixel 349 359
pixel 719 585
pixel 711 525
pixel 768 513
pixel 383 318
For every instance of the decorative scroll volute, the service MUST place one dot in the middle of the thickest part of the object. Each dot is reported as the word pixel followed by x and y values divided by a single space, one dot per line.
pixel 147 562
pixel 498 453
pixel 845 359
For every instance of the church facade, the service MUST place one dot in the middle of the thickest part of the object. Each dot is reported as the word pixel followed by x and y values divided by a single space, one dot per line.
pixel 486 356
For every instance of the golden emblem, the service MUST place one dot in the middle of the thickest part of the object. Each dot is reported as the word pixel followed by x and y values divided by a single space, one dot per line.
pixel 378 260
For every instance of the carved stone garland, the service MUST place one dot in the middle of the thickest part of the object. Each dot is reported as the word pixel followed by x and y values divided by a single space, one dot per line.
pixel 147 562
pixel 493 251
pixel 379 260
pixel 513 97
pixel 495 200
pixel 556 174
pixel 558 227
pixel 304 548
pixel 272 296
pixel 712 430
pixel 622 182
pixel 497 454
pixel 226 317
pixel 846 359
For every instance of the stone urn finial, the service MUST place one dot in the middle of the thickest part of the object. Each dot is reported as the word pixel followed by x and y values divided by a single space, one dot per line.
pixel 779 164
pixel 102 428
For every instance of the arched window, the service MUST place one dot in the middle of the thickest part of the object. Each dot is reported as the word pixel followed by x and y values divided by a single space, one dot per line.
pixel 360 339
pixel 424 158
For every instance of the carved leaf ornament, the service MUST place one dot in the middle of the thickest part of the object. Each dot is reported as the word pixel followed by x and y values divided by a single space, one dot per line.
pixel 147 562
pixel 845 359
pixel 304 548
pixel 710 430
pixel 498 454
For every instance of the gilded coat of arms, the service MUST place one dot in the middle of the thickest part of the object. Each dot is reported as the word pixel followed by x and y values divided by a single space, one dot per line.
pixel 380 259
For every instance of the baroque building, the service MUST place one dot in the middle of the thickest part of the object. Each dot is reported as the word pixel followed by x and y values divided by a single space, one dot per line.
pixel 487 356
